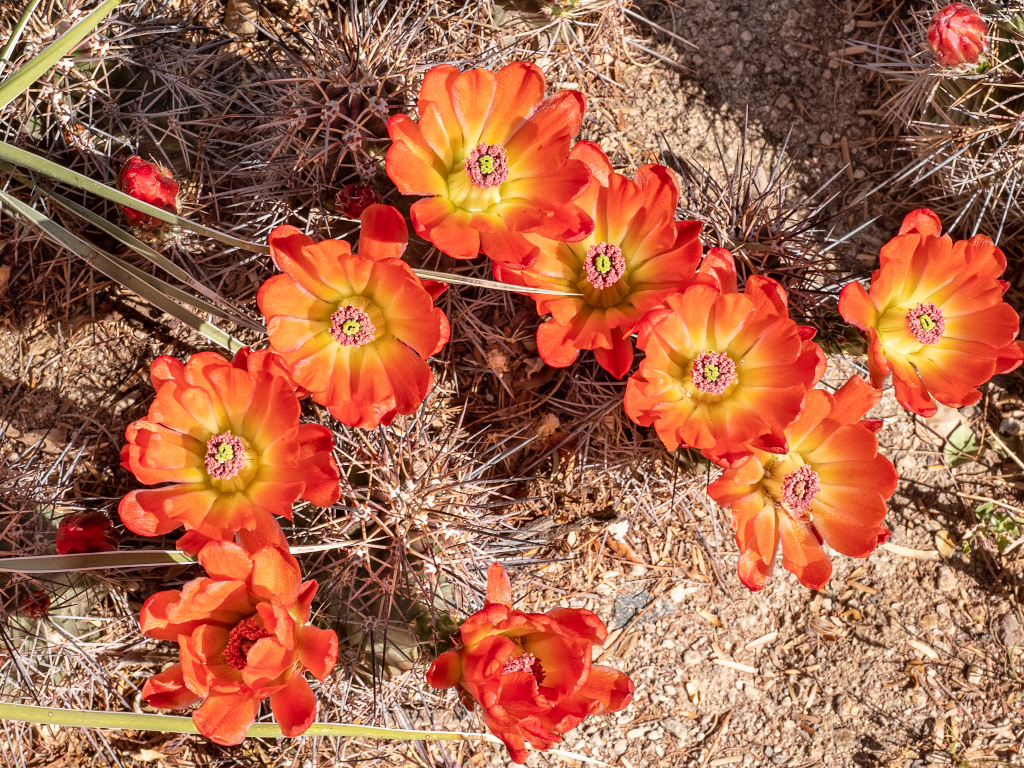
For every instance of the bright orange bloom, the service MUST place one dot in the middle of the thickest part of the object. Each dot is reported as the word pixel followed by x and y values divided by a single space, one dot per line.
pixel 723 368
pixel 831 486
pixel 243 635
pixel 354 329
pixel 225 440
pixel 490 156
pixel 636 256
pixel 935 316
pixel 531 673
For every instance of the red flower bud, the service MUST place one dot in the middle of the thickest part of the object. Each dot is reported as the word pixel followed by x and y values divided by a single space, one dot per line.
pixel 957 35
pixel 86 532
pixel 35 604
pixel 150 183
pixel 353 199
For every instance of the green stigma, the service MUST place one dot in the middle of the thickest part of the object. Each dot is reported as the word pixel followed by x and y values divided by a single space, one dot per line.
pixel 603 263
pixel 926 322
pixel 485 164
pixel 711 371
pixel 350 327
pixel 225 453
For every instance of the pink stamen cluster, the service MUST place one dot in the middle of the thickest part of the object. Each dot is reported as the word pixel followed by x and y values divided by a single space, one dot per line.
pixel 926 323
pixel 487 165
pixel 604 265
pixel 241 639
pixel 525 663
pixel 351 326
pixel 225 456
pixel 798 490
pixel 713 372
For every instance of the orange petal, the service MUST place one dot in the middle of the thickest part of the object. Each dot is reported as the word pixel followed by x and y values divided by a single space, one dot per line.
pixel 225 560
pixel 383 234
pixel 275 575
pixel 555 346
pixel 224 718
pixel 167 690
pixel 294 706
pixel 411 163
pixel 445 671
pixel 318 651
pixel 499 588
pixel 472 95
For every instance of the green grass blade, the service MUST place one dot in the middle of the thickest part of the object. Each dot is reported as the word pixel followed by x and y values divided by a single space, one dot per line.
pixel 129 721
pixel 18 83
pixel 24 159
pixel 139 558
pixel 108 265
pixel 215 307
pixel 444 277
pixel 19 27
pixel 94 561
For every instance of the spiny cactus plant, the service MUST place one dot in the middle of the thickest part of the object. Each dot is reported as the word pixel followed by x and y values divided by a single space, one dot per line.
pixel 755 207
pixel 957 96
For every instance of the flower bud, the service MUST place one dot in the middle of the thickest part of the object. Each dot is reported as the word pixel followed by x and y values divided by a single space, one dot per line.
pixel 86 532
pixel 35 604
pixel 353 199
pixel 957 35
pixel 150 183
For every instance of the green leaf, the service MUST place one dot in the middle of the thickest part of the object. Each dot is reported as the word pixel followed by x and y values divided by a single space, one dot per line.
pixel 19 82
pixel 131 721
pixel 961 446
pixel 152 289
pixel 24 159
pixel 94 561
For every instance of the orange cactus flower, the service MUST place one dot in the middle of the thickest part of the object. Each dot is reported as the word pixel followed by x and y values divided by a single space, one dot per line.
pixel 354 329
pixel 243 636
pixel 490 156
pixel 531 673
pixel 723 368
pixel 225 444
pixel 831 486
pixel 935 316
pixel 636 256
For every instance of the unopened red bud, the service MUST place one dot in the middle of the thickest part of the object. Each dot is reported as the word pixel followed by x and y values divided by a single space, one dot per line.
pixel 86 532
pixel 353 199
pixel 35 604
pixel 958 35
pixel 150 183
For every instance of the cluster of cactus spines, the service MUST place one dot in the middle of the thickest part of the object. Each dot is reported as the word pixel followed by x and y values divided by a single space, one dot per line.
pixel 755 206
pixel 957 76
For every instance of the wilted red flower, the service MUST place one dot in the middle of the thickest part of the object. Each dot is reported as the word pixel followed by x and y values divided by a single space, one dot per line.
pixel 723 368
pixel 354 329
pixel 35 604
pixel 531 673
pixel 636 256
pixel 831 486
pixel 150 183
pixel 935 316
pixel 958 35
pixel 353 199
pixel 491 157
pixel 86 532
pixel 243 635
pixel 227 442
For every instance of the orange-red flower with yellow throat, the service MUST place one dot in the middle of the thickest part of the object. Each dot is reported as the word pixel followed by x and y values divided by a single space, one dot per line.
pixel 531 673
pixel 636 256
pixel 935 316
pixel 354 329
pixel 831 486
pixel 223 442
pixel 490 157
pixel 243 636
pixel 723 369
